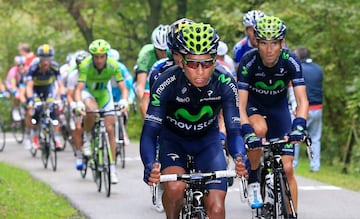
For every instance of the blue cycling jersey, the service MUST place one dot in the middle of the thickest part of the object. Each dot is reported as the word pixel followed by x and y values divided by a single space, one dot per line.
pixel 268 86
pixel 191 112
pixel 159 67
pixel 241 48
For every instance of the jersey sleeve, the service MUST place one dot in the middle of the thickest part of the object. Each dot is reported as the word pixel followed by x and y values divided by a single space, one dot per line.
pixel 232 117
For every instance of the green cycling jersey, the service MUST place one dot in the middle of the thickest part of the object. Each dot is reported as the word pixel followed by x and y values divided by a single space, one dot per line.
pixel 96 81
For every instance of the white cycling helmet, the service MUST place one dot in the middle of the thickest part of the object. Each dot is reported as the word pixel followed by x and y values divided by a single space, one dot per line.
pixel 113 53
pixel 250 18
pixel 222 48
pixel 158 37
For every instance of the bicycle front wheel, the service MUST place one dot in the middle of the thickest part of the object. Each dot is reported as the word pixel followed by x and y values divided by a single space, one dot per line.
pixel 106 164
pixel 52 151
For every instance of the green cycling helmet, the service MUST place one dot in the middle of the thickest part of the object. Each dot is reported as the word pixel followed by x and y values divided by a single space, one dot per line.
pixel 173 32
pixel 270 28
pixel 99 47
pixel 198 39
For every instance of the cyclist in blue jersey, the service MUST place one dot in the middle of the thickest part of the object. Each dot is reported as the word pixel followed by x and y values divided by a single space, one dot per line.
pixel 249 41
pixel 41 80
pixel 128 79
pixel 182 120
pixel 263 76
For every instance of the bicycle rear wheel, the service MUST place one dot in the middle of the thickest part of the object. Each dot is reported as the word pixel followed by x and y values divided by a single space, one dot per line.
pixel 106 165
pixel 2 136
pixel 18 130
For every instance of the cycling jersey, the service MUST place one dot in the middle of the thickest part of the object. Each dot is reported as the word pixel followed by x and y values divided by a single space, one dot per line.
pixel 96 81
pixel 146 58
pixel 43 82
pixel 241 48
pixel 128 83
pixel 159 67
pixel 267 86
pixel 14 74
pixel 191 112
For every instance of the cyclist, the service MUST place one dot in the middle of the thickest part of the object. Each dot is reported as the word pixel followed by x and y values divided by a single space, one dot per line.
pixel 148 55
pixel 25 51
pixel 263 76
pixel 249 41
pixel 182 119
pixel 128 78
pixel 15 84
pixel 93 91
pixel 41 81
pixel 75 121
pixel 161 65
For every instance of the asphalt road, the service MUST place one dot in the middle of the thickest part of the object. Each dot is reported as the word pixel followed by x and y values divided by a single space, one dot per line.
pixel 131 198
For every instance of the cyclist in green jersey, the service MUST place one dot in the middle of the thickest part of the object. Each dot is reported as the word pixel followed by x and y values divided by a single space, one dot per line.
pixel 148 55
pixel 93 91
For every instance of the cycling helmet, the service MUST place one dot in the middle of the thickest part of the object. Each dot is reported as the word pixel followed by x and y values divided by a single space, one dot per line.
pixel 269 28
pixel 113 53
pixel 70 57
pixel 174 30
pixel 99 46
pixel 198 39
pixel 19 60
pixel 158 37
pixel 80 56
pixel 45 51
pixel 251 17
pixel 222 48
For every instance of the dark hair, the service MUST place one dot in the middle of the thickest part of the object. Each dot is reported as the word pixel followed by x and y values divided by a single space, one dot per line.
pixel 302 52
pixel 24 47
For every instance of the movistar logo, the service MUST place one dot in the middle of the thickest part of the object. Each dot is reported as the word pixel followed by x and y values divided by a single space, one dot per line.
pixel 193 118
pixel 288 146
pixel 156 101
pixel 285 55
pixel 244 71
pixel 224 79
pixel 264 86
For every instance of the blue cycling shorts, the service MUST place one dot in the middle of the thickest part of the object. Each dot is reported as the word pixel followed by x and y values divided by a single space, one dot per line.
pixel 207 152
pixel 278 120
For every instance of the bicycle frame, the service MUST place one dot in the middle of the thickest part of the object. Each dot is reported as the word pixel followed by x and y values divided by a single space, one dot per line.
pixel 195 189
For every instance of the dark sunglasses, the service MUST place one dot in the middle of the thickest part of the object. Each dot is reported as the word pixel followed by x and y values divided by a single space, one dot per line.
pixel 194 64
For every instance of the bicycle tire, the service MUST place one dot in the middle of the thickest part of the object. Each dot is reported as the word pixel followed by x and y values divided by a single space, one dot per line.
pixel 18 131
pixel 106 164
pixel 288 206
pixel 120 147
pixel 280 202
pixel 52 151
pixel 2 137
pixel 65 136
pixel 83 171
pixel 45 154
pixel 33 151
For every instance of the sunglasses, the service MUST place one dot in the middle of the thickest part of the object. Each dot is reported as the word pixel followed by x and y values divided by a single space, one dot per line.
pixel 194 64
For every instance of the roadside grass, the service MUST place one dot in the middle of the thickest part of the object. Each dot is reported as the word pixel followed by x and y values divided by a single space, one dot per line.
pixel 21 196
pixel 328 174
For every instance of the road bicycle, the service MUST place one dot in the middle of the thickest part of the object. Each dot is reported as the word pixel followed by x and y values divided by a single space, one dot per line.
pixel 46 132
pixel 101 157
pixel 120 135
pixel 64 118
pixel 195 189
pixel 275 189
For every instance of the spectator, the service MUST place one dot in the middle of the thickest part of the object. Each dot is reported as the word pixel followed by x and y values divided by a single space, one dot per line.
pixel 313 75
pixel 224 59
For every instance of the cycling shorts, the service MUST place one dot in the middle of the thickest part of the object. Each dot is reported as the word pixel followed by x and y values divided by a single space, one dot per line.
pixel 207 152
pixel 278 120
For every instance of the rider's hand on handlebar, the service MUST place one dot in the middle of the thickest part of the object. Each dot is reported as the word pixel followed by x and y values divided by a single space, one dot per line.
pixel 123 104
pixel 80 108
pixel 152 173
pixel 298 130
pixel 240 166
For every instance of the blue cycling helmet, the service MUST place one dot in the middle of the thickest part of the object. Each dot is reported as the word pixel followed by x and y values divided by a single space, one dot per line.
pixel 45 51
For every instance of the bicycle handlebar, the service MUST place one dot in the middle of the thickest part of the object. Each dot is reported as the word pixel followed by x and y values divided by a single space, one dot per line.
pixel 189 177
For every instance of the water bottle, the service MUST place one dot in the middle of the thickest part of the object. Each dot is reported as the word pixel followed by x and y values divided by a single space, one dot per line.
pixel 269 194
